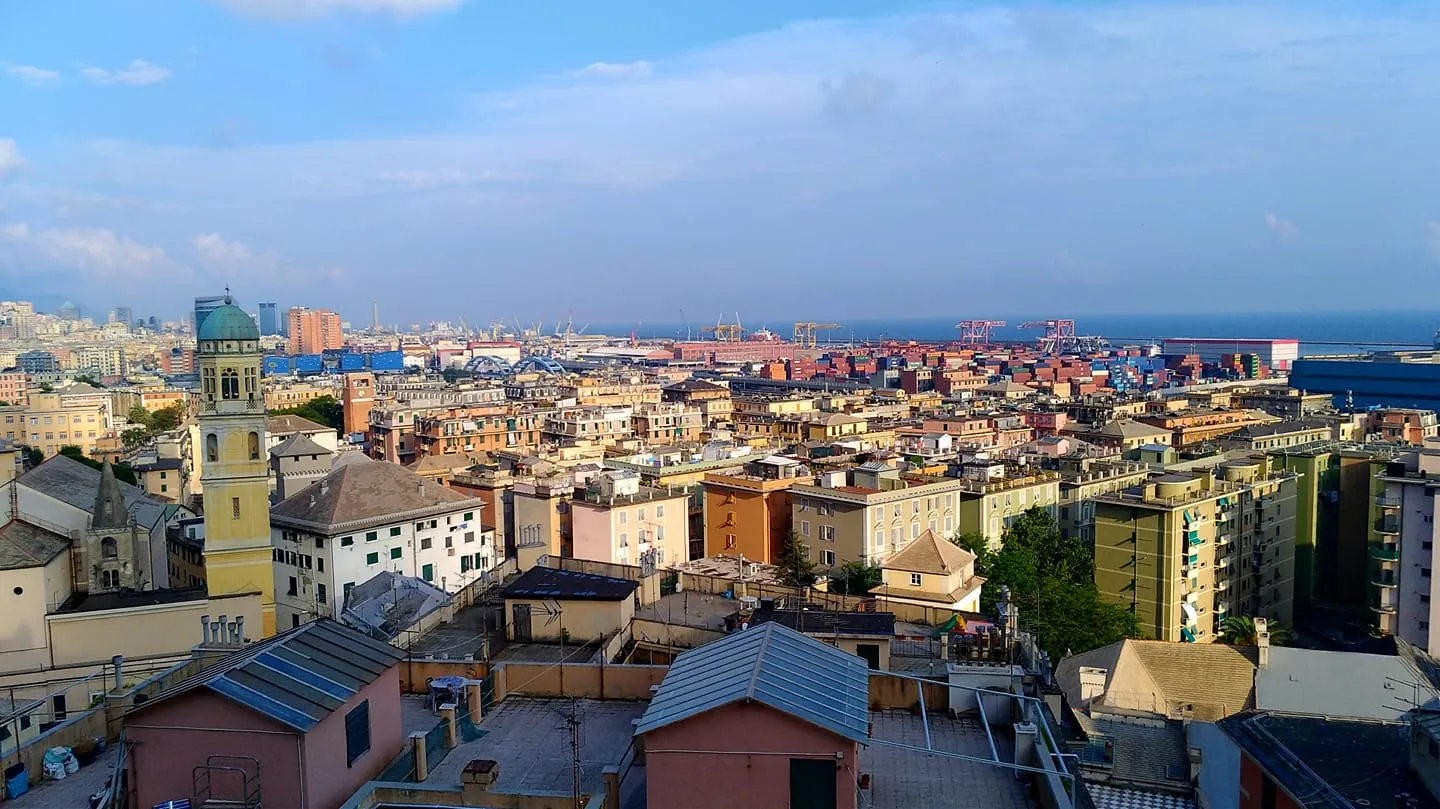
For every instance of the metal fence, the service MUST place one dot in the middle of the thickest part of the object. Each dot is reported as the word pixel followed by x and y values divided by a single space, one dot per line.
pixel 915 648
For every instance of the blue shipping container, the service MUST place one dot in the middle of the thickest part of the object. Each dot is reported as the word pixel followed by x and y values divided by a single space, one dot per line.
pixel 352 362
pixel 387 361
pixel 275 366
pixel 309 364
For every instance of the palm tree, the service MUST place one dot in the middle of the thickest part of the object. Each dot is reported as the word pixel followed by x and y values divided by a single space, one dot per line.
pixel 1239 630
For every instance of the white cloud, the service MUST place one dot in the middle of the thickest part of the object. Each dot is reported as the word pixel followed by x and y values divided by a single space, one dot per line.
pixel 301 9
pixel 613 70
pixel 223 257
pixel 1280 227
pixel 1432 239
pixel 138 73
pixel 10 158
pixel 34 76
pixel 96 253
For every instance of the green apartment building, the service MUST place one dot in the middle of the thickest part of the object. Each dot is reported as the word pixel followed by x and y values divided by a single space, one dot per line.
pixel 1185 550
pixel 1337 507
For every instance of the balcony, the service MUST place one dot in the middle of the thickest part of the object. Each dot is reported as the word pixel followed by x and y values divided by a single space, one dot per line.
pixel 1387 525
pixel 1383 609
pixel 1384 580
pixel 1385 553
pixel 1221 585
pixel 1385 501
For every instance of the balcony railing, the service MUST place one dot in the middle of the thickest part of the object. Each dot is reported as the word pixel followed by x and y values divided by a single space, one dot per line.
pixel 1385 553
pixel 1385 581
pixel 1384 501
pixel 1387 609
pixel 1387 525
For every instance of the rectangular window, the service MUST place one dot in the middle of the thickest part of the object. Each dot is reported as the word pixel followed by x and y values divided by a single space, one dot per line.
pixel 425 544
pixel 294 588
pixel 827 533
pixel 624 517
pixel 914 579
pixel 320 595
pixel 827 558
pixel 395 531
pixel 640 515
pixel 234 508
pixel 320 563
pixel 469 536
pixel 659 512
pixel 395 553
pixel 804 528
pixel 357 733
pixel 345 590
pixel 320 543
pixel 427 572
pixel 346 542
pixel 469 515
pixel 371 536
pixel 372 558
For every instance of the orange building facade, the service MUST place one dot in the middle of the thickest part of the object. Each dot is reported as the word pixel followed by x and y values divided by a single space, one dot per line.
pixel 746 515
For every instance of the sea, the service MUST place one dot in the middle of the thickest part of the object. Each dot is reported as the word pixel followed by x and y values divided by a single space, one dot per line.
pixel 1318 332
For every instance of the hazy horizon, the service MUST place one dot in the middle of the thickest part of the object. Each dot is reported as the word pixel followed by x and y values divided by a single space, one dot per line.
pixel 628 158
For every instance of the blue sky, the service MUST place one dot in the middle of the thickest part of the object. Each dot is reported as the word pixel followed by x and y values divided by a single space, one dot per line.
pixel 779 158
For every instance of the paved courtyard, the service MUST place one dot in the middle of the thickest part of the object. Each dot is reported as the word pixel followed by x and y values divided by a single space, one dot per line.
pixel 71 793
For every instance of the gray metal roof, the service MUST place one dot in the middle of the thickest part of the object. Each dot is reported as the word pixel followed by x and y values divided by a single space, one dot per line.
pixel 1348 684
pixel 299 677
pixel 23 545
pixel 771 665
pixel 72 482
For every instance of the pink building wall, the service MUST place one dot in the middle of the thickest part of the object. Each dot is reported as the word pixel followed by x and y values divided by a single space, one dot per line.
pixel 328 781
pixel 171 739
pixel 727 757
pixel 296 772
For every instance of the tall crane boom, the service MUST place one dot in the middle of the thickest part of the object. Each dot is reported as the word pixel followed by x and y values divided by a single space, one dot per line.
pixel 977 332
pixel 805 333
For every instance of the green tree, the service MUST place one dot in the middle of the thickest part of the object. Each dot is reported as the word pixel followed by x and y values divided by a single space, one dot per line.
pixel 134 437
pixel 138 415
pixel 453 375
pixel 167 418
pixel 46 387
pixel 855 578
pixel 87 379
pixel 795 567
pixel 123 471
pixel 1051 582
pixel 1239 630
pixel 325 410
pixel 33 457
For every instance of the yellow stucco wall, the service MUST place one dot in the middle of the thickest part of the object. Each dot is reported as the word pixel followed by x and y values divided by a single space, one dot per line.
pixel 143 631
pixel 585 621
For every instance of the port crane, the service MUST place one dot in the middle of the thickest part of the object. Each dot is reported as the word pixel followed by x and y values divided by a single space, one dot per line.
pixel 725 332
pixel 805 333
pixel 977 332
pixel 1060 337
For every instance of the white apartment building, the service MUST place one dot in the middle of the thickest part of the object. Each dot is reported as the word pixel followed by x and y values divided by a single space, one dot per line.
pixel 1403 592
pixel 619 521
pixel 602 425
pixel 366 517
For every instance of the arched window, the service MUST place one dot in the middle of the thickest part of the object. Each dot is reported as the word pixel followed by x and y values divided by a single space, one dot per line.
pixel 254 446
pixel 212 448
pixel 108 548
pixel 110 579
pixel 229 384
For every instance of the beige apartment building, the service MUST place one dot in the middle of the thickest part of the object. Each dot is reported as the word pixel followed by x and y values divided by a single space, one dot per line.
pixel 48 424
pixel 617 520
pixel 1084 479
pixel 472 430
pixel 601 425
pixel 599 391
pixel 870 512
pixel 993 494
pixel 1185 550
pixel 666 423
pixel 15 389
pixel 542 518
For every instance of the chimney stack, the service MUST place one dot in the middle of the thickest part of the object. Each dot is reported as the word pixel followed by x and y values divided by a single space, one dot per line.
pixel 1262 642
pixel 205 629
pixel 240 630
pixel 118 661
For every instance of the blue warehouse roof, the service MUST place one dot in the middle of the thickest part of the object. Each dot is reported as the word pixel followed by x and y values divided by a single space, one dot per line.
pixel 774 666
pixel 297 678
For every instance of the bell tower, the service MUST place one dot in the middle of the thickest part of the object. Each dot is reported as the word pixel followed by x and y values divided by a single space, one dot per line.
pixel 233 468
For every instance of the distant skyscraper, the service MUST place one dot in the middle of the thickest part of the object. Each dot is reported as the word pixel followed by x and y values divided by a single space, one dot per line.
pixel 204 306
pixel 269 320
pixel 312 331
pixel 122 314
pixel 68 311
